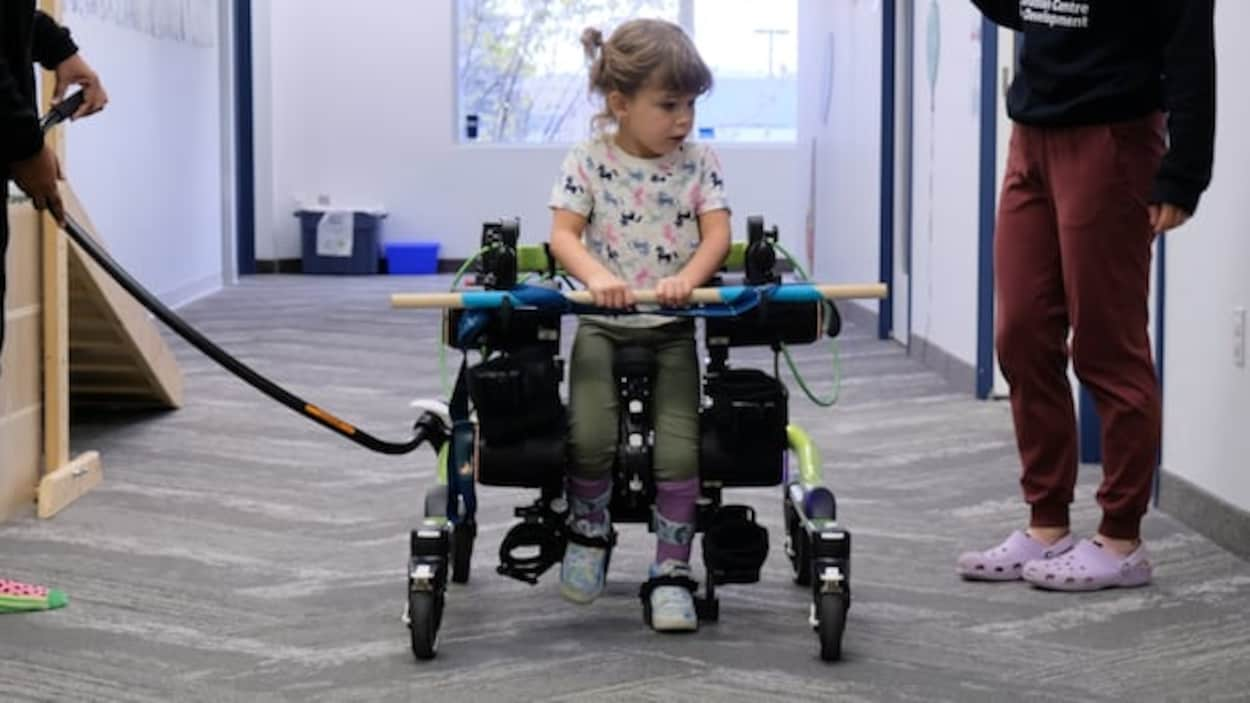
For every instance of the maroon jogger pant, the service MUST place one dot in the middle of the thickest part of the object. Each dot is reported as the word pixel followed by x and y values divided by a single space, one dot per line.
pixel 1072 252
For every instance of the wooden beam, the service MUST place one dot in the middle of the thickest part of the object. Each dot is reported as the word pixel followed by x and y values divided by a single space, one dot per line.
pixel 64 480
pixel 69 483
pixel 55 306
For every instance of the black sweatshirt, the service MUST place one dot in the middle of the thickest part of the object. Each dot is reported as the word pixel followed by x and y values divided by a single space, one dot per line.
pixel 1100 61
pixel 26 36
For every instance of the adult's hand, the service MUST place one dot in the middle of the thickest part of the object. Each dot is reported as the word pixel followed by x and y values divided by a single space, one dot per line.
pixel 39 178
pixel 76 71
pixel 1166 217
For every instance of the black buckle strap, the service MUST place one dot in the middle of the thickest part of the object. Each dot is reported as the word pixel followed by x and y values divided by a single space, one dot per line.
pixel 644 591
pixel 604 542
pixel 548 537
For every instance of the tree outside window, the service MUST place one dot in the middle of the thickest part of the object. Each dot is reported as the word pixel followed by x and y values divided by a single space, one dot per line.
pixel 522 74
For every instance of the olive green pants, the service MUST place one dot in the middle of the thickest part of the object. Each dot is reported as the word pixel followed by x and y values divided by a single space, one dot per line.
pixel 593 398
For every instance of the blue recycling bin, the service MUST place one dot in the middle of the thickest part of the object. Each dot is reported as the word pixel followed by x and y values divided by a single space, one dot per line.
pixel 365 249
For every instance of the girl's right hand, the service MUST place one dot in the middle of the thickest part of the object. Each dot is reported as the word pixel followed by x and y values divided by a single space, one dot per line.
pixel 608 291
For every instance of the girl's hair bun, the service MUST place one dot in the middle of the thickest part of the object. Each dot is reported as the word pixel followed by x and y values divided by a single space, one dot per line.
pixel 592 41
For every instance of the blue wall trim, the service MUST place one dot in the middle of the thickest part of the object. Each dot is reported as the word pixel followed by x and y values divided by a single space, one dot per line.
pixel 909 186
pixel 885 317
pixel 989 190
pixel 1161 290
pixel 245 190
pixel 1091 427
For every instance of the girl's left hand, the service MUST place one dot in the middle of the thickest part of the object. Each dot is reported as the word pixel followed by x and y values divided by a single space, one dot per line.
pixel 673 291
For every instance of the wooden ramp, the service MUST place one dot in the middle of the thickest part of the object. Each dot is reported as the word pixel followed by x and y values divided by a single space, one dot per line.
pixel 116 353
pixel 74 337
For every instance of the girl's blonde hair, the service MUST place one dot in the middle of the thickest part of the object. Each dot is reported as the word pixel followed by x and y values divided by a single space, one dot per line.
pixel 643 53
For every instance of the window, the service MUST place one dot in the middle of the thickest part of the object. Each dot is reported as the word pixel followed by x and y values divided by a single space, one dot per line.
pixel 522 74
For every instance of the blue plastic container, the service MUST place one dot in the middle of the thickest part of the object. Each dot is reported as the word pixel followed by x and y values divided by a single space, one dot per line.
pixel 365 245
pixel 408 258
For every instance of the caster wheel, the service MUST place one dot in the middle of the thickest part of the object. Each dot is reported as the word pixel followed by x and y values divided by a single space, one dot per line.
pixel 425 614
pixel 821 505
pixel 831 611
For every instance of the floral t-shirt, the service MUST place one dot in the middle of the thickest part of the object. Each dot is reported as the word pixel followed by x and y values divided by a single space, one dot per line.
pixel 641 214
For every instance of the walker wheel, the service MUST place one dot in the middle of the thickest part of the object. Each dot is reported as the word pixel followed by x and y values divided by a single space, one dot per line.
pixel 425 615
pixel 831 611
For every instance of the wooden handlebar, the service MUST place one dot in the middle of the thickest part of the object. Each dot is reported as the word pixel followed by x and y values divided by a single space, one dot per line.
pixel 829 291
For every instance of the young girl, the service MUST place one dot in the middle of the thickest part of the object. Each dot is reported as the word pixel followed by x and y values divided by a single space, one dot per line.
pixel 638 207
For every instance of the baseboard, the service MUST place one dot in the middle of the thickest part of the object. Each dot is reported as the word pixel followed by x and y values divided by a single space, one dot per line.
pixel 447 266
pixel 279 266
pixel 297 265
pixel 191 292
pixel 1209 515
pixel 858 315
pixel 959 373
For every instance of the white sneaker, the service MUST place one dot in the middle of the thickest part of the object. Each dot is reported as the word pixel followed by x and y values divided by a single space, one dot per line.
pixel 672 607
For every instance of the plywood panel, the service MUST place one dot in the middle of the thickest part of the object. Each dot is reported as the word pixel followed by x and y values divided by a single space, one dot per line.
pixel 21 420
pixel 19 365
pixel 21 436
pixel 23 258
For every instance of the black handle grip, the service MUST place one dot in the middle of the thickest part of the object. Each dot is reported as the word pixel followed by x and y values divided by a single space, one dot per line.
pixel 62 111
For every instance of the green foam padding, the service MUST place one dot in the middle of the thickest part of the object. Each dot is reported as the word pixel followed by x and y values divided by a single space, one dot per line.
pixel 531 258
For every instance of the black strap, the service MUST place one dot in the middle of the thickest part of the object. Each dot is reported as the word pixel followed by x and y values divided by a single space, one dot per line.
pixel 734 541
pixel 606 542
pixel 644 592
pixel 547 537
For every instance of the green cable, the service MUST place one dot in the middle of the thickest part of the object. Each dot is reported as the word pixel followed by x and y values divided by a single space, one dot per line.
pixel 833 343
pixel 837 378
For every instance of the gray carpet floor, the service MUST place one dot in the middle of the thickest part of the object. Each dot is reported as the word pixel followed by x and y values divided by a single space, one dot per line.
pixel 236 551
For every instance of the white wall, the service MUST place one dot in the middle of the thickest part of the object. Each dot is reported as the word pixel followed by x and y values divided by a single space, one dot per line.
pixel 360 107
pixel 946 178
pixel 1206 399
pixel 845 145
pixel 148 168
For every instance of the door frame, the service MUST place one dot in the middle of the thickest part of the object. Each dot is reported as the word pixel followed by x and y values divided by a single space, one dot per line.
pixel 991 168
pixel 244 187
pixel 898 56
pixel 888 199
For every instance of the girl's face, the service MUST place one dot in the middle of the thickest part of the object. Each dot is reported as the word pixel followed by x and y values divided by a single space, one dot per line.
pixel 655 121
